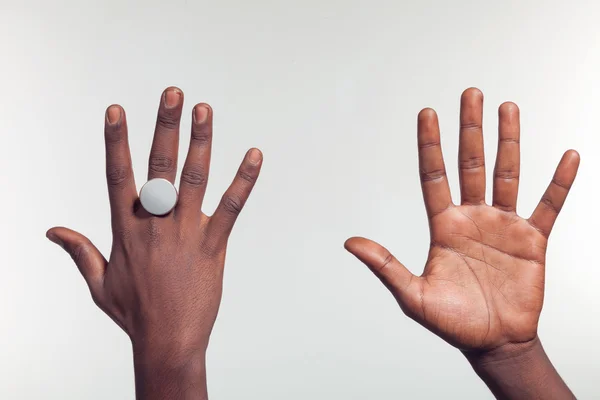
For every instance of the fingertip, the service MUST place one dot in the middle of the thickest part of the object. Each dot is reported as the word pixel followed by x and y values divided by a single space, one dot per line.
pixel 172 97
pixel 57 231
pixel 53 237
pixel 427 122
pixel 201 113
pixel 350 242
pixel 173 91
pixel 114 114
pixel 255 156
pixel 472 93
pixel 65 235
pixel 362 247
pixel 572 156
pixel 508 107
pixel 568 166
pixel 172 88
pixel 427 114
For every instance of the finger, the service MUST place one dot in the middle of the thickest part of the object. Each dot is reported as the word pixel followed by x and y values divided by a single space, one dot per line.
pixel 434 182
pixel 195 170
pixel 163 155
pixel 236 195
pixel 400 281
pixel 545 213
pixel 86 256
pixel 119 173
pixel 507 169
pixel 471 159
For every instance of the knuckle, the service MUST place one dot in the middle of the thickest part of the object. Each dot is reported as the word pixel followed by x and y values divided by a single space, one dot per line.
pixel 548 202
pixel 472 162
pixel 512 139
pixel 507 174
pixel 432 175
pixel 503 205
pixel 386 263
pixel 429 144
pixel 116 175
pixel 113 134
pixel 79 253
pixel 193 176
pixel 180 235
pixel 232 204
pixel 560 184
pixel 153 230
pixel 168 119
pixel 201 135
pixel 470 126
pixel 122 233
pixel 161 164
pixel 248 176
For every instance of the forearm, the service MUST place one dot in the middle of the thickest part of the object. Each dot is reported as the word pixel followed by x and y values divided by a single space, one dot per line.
pixel 521 372
pixel 163 375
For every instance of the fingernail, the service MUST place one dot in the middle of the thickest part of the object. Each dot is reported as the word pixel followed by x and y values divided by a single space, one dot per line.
pixel 53 238
pixel 200 114
pixel 113 115
pixel 254 156
pixel 172 98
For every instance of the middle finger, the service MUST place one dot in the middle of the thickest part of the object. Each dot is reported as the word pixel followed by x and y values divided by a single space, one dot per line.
pixel 163 155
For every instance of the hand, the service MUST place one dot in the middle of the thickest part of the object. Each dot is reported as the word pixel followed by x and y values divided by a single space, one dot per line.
pixel 162 284
pixel 483 283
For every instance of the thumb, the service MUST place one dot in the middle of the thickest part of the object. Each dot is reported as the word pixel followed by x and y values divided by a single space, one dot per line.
pixel 400 281
pixel 87 257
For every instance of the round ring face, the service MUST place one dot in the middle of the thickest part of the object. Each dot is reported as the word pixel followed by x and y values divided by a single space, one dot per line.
pixel 158 196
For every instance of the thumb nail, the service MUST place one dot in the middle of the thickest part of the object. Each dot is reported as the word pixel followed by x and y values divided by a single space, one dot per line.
pixel 55 239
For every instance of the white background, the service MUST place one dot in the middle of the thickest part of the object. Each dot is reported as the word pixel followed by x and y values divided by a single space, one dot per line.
pixel 329 90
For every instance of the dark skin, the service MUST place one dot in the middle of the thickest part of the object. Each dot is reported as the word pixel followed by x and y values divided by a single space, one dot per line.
pixel 163 281
pixel 482 288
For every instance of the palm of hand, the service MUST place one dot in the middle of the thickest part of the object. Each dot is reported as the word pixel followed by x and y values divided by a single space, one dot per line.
pixel 483 283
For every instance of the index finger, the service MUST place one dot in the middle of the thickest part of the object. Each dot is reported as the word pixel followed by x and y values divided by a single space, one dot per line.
pixel 434 182
pixel 119 173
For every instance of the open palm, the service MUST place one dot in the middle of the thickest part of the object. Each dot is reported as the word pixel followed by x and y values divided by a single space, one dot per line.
pixel 483 283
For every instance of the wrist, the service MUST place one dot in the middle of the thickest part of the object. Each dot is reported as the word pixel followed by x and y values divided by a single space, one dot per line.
pixel 510 353
pixel 169 371
pixel 169 342
pixel 520 371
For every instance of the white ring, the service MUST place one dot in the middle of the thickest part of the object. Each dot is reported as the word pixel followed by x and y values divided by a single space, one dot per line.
pixel 158 196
